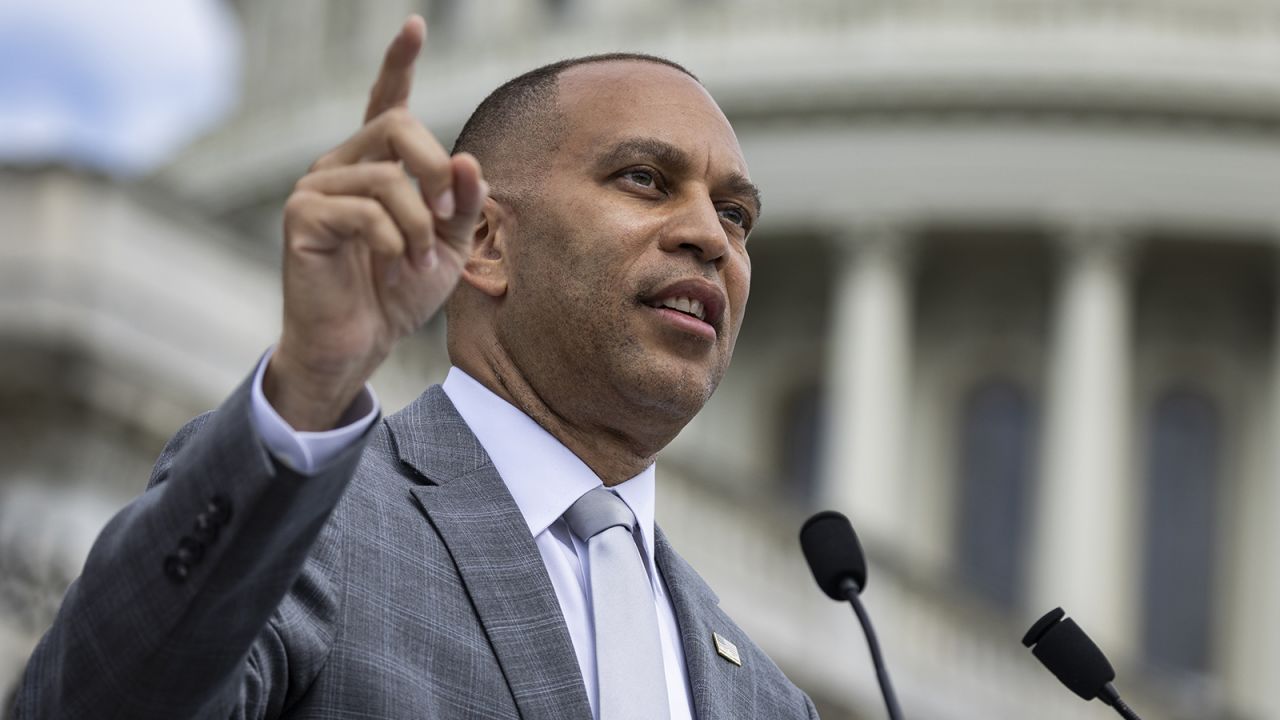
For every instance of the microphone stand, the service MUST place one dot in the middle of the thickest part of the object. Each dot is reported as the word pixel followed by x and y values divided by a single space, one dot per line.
pixel 1111 696
pixel 849 587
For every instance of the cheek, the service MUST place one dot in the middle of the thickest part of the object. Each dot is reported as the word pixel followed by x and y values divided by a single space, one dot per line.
pixel 738 286
pixel 582 286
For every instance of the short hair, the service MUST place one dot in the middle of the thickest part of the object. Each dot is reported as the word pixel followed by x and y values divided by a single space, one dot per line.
pixel 523 109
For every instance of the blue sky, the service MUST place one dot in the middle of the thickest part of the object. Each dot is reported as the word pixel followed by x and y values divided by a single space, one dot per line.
pixel 114 86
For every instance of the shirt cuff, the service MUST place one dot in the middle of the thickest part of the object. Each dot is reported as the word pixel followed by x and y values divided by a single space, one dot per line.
pixel 308 453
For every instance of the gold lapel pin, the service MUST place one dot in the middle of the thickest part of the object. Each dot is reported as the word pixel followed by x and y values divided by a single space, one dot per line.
pixel 726 649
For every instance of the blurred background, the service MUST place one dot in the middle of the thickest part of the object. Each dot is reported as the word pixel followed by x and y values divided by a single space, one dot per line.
pixel 1014 310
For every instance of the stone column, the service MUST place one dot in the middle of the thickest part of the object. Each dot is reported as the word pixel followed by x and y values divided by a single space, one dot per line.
pixel 869 375
pixel 1246 609
pixel 1086 530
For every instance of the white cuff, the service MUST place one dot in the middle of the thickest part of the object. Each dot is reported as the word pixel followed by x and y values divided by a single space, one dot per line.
pixel 308 452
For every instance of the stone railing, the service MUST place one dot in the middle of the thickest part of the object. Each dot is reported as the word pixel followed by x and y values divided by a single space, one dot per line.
pixel 949 659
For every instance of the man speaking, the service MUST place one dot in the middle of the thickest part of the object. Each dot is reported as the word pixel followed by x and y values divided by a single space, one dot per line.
pixel 489 551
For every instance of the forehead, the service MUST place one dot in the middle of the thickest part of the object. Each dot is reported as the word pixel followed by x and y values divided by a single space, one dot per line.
pixel 630 98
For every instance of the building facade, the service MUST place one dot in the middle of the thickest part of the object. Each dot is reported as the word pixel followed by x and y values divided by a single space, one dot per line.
pixel 1013 310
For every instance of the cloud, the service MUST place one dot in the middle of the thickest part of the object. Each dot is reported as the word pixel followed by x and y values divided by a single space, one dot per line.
pixel 117 87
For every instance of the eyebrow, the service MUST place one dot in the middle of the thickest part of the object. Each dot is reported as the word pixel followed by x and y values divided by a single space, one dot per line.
pixel 668 155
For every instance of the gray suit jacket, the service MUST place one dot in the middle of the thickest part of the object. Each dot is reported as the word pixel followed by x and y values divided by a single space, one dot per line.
pixel 235 588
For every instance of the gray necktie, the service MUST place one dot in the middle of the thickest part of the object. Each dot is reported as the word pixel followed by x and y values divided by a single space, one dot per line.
pixel 628 653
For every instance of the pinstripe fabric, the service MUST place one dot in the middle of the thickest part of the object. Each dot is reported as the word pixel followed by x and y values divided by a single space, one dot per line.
pixel 399 583
pixel 722 690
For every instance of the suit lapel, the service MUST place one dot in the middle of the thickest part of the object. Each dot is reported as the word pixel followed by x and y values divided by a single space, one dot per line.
pixel 472 510
pixel 720 688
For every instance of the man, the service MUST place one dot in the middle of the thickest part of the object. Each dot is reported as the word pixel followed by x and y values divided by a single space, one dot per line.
pixel 295 557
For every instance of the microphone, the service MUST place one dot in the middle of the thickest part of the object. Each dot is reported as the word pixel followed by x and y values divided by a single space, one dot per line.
pixel 834 555
pixel 1074 659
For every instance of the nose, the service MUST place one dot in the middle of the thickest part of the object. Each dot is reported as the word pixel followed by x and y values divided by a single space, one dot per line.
pixel 696 228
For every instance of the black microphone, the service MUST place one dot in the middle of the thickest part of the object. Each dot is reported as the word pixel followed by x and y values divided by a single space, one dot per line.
pixel 1075 660
pixel 835 557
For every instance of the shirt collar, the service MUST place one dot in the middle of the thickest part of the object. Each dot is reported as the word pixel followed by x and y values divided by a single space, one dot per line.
pixel 543 476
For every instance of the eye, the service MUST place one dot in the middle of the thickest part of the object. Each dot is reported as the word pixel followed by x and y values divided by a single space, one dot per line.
pixel 736 215
pixel 642 177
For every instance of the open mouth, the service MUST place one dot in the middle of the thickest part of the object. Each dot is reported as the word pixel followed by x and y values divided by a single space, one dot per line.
pixel 698 303
pixel 687 305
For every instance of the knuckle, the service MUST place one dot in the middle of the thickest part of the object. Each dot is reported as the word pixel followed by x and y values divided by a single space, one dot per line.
pixel 419 225
pixel 385 242
pixel 299 218
pixel 398 119
pixel 379 230
pixel 305 183
pixel 437 179
pixel 368 211
pixel 297 203
pixel 386 175
pixel 321 163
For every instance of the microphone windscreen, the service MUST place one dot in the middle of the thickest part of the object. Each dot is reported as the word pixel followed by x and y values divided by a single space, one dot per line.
pixel 1042 626
pixel 833 552
pixel 1074 658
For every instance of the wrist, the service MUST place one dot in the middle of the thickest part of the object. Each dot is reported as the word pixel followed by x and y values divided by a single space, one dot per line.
pixel 310 399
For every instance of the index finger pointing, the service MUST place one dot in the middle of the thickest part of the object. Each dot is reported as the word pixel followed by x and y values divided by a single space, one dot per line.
pixel 395 77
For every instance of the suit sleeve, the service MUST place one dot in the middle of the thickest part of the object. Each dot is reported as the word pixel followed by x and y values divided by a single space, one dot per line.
pixel 178 611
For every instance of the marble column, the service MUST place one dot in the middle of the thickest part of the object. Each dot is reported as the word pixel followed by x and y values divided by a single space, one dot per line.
pixel 1086 532
pixel 1250 646
pixel 869 368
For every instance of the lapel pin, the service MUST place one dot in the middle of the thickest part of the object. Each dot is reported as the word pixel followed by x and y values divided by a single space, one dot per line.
pixel 726 649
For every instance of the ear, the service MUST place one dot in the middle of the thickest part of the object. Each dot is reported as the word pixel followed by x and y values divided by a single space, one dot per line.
pixel 486 269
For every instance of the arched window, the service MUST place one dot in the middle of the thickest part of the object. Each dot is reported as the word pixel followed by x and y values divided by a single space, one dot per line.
pixel 1183 457
pixel 997 455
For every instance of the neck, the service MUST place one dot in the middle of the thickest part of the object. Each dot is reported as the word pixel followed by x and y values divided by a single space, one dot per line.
pixel 613 452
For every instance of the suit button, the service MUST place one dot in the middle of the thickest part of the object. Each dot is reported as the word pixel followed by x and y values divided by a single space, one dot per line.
pixel 219 509
pixel 190 551
pixel 206 529
pixel 176 570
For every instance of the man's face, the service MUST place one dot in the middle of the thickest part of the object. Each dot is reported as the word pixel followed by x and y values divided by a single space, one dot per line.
pixel 629 267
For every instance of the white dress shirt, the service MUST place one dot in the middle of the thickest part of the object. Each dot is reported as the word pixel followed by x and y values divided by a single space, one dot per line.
pixel 544 478
pixel 307 452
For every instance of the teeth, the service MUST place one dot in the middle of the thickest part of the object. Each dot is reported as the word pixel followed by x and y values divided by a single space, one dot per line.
pixel 689 306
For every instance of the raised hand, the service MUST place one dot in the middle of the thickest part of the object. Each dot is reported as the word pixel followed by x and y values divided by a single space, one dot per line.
pixel 369 256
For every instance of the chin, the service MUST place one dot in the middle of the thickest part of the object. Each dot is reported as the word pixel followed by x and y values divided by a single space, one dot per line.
pixel 676 389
